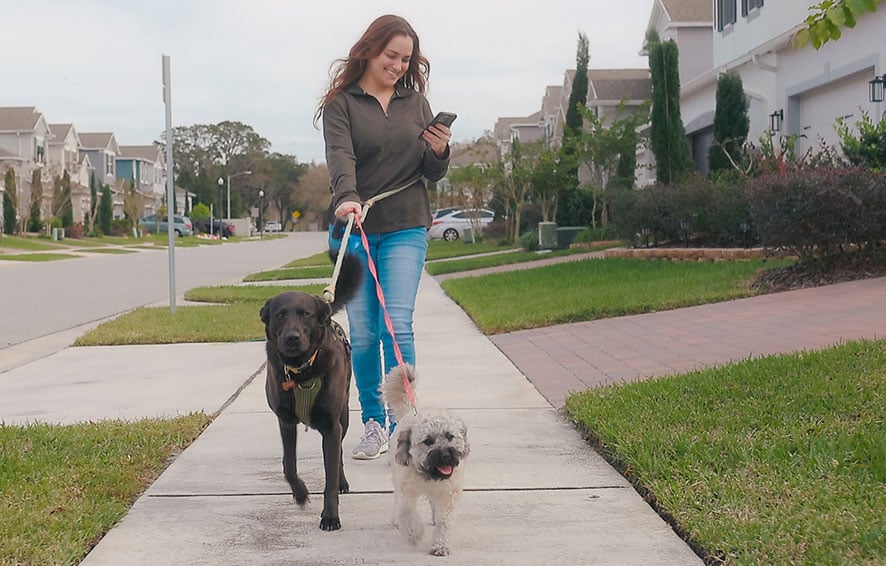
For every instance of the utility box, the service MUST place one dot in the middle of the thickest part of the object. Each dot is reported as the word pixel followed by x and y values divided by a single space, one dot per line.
pixel 468 235
pixel 547 235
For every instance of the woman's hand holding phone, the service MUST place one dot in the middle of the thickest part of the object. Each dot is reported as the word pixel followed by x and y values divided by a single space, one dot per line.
pixel 438 134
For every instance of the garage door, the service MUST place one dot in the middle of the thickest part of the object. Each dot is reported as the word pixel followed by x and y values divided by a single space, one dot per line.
pixel 820 108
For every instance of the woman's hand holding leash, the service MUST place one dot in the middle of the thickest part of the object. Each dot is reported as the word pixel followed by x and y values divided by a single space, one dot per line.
pixel 348 207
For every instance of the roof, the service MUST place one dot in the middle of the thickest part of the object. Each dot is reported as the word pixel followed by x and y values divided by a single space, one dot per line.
pixel 146 152
pixel 551 101
pixel 5 154
pixel 19 118
pixel 472 154
pixel 616 84
pixel 689 10
pixel 92 140
pixel 503 126
pixel 60 131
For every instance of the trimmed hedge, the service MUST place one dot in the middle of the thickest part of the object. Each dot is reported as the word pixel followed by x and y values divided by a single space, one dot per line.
pixel 819 212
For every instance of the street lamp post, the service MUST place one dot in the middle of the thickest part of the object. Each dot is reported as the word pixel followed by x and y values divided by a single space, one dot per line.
pixel 221 182
pixel 261 208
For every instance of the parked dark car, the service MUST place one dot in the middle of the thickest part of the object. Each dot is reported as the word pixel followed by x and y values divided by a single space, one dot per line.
pixel 227 230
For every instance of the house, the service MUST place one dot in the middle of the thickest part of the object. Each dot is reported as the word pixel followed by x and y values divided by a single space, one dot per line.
pixel 143 164
pixel 64 155
pixel 795 92
pixel 607 88
pixel 689 24
pixel 24 138
pixel 102 150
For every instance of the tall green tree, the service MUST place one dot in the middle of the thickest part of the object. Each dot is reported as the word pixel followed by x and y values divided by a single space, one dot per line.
pixel 573 126
pixel 578 97
pixel 35 213
pixel 105 211
pixel 604 152
pixel 513 180
pixel 60 207
pixel 667 134
pixel 9 203
pixel 205 152
pixel 93 205
pixel 731 124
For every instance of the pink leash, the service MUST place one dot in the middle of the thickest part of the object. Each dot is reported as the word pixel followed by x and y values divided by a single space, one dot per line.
pixel 390 325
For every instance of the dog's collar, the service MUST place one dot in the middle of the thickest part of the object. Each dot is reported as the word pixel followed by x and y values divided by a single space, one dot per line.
pixel 290 371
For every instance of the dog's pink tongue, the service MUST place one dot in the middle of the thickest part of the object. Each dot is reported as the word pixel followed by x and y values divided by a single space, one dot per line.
pixel 445 470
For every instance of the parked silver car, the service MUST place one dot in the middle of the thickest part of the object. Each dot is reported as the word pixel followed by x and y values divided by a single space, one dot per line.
pixel 451 225
pixel 182 225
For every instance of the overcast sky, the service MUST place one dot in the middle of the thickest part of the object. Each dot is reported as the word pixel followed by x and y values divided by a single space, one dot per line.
pixel 97 63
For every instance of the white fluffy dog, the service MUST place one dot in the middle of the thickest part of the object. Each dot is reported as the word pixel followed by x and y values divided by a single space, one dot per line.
pixel 426 452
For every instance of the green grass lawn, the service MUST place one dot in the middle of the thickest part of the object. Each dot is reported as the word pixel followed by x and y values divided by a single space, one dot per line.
pixel 63 487
pixel 37 257
pixel 597 288
pixel 231 315
pixel 780 460
pixel 29 243
pixel 508 257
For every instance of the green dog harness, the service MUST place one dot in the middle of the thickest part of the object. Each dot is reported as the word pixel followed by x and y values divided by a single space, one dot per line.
pixel 305 393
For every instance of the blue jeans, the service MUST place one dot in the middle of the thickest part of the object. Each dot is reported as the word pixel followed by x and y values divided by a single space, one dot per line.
pixel 399 259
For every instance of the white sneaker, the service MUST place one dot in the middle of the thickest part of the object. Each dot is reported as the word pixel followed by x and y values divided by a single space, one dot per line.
pixel 373 443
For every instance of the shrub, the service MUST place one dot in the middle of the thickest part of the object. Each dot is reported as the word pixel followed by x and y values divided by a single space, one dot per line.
pixel 695 210
pixel 818 212
pixel 599 234
pixel 120 227
pixel 75 231
pixel 529 240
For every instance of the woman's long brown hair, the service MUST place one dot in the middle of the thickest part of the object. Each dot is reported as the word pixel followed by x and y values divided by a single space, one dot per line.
pixel 348 70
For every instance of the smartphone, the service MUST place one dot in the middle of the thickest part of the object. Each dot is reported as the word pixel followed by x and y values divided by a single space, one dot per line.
pixel 445 118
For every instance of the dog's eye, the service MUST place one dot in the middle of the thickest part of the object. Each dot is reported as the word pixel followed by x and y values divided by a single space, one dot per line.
pixel 281 314
pixel 449 436
pixel 302 313
pixel 429 441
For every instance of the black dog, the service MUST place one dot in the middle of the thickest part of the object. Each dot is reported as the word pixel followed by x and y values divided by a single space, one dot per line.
pixel 309 376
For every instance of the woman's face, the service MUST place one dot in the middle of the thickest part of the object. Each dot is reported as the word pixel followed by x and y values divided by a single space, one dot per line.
pixel 384 70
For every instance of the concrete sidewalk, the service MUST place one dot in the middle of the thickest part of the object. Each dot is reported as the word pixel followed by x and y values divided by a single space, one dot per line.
pixel 536 493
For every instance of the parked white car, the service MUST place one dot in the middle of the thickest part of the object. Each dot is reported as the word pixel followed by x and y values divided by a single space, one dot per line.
pixel 451 226
pixel 273 226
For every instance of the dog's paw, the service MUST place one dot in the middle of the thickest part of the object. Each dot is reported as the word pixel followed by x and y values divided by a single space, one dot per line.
pixel 344 487
pixel 330 523
pixel 414 532
pixel 300 492
pixel 440 549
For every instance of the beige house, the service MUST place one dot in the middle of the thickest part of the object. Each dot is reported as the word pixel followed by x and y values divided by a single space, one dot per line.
pixel 24 141
pixel 798 92
pixel 64 155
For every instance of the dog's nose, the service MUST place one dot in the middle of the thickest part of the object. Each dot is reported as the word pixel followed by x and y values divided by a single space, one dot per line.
pixel 292 340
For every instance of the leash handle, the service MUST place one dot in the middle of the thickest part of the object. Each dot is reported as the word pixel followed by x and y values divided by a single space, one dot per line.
pixel 329 291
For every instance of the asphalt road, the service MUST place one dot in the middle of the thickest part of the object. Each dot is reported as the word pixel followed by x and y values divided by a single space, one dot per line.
pixel 38 299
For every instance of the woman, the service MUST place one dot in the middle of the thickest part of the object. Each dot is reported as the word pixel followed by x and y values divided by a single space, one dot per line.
pixel 374 117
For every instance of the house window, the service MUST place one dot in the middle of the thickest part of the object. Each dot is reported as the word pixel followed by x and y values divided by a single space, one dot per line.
pixel 725 13
pixel 748 5
pixel 109 164
pixel 39 150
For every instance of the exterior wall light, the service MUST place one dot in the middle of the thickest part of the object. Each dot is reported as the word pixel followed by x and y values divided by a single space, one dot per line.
pixel 776 119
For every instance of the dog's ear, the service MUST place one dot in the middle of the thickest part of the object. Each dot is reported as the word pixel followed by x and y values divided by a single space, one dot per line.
pixel 404 443
pixel 463 430
pixel 324 311
pixel 265 312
